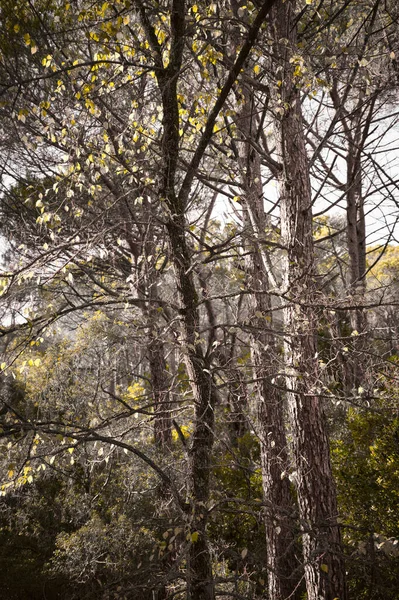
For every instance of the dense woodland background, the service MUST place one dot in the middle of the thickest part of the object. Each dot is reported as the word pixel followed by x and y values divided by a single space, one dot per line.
pixel 199 290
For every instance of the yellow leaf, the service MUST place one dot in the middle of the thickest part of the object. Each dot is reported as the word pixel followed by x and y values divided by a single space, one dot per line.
pixel 324 568
pixel 256 69
pixel 16 28
pixel 298 71
pixel 194 536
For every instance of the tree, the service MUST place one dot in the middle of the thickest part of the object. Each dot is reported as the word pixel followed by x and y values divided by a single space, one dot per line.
pixel 318 511
pixel 119 151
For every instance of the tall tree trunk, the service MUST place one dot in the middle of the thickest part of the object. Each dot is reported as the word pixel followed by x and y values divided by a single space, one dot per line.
pixel 204 396
pixel 199 577
pixel 142 246
pixel 279 517
pixel 324 568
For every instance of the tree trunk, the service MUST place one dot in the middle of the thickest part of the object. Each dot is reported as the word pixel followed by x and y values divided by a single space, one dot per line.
pixel 324 568
pixel 204 397
pixel 199 573
pixel 279 517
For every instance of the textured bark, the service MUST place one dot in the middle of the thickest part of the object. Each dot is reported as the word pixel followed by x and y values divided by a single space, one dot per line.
pixel 279 521
pixel 324 568
pixel 356 231
pixel 204 396
pixel 199 572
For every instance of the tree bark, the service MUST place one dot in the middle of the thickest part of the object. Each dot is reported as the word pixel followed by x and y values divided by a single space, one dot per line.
pixel 280 510
pixel 200 582
pixel 324 568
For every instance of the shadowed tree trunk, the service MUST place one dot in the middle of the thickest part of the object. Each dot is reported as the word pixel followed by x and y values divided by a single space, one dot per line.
pixel 324 568
pixel 199 569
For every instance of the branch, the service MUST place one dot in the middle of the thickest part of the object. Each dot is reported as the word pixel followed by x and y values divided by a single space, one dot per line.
pixel 231 79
